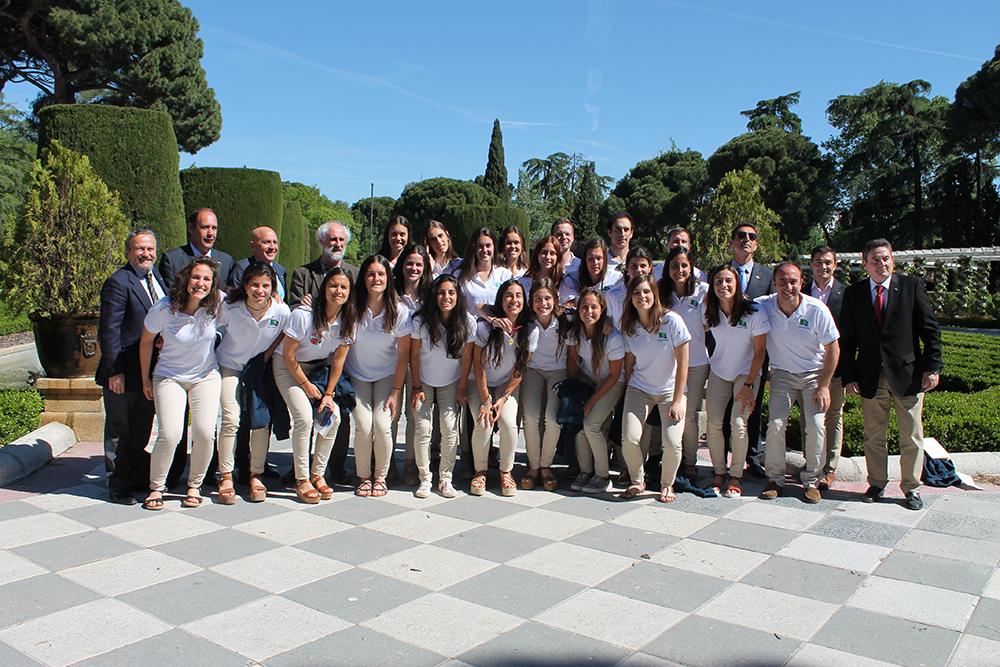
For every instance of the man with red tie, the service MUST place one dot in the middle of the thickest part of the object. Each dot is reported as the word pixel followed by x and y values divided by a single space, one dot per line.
pixel 890 355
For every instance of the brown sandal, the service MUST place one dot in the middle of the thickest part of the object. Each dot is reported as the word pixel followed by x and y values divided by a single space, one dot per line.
pixel 507 484
pixel 258 492
pixel 477 486
pixel 193 498
pixel 667 495
pixel 530 479
pixel 226 490
pixel 379 488
pixel 717 482
pixel 154 502
pixel 632 491
pixel 549 481
pixel 364 488
pixel 325 492
pixel 306 492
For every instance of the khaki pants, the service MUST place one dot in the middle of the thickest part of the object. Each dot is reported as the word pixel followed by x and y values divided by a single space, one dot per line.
pixel 909 414
pixel 372 427
pixel 834 427
pixel 540 405
pixel 259 437
pixel 697 375
pixel 507 426
pixel 423 426
pixel 170 398
pixel 407 409
pixel 786 389
pixel 301 410
pixel 592 440
pixel 637 406
pixel 719 393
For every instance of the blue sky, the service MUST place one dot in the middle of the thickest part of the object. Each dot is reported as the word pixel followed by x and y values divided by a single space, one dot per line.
pixel 340 95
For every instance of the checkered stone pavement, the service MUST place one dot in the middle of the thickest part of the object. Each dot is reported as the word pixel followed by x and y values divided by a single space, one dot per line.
pixel 537 578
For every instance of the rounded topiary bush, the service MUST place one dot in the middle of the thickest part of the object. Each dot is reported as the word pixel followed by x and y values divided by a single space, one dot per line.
pixel 242 199
pixel 134 151
pixel 291 253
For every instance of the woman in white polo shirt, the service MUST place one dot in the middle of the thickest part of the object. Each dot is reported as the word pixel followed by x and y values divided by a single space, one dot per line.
pixel 740 331
pixel 186 373
pixel 444 259
pixel 656 364
pixel 499 363
pixel 441 348
pixel 546 264
pixel 480 276
pixel 514 250
pixel 398 233
pixel 539 399
pixel 594 269
pixel 596 354
pixel 377 366
pixel 639 261
pixel 253 323
pixel 683 294
pixel 316 336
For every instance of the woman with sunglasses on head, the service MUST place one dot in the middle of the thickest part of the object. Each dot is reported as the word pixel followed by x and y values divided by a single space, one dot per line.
pixel 397 235
pixel 514 253
pixel 377 366
pixel 656 365
pixel 316 336
pixel 441 351
pixel 444 259
pixel 682 293
pixel 499 363
pixel 186 374
pixel 253 322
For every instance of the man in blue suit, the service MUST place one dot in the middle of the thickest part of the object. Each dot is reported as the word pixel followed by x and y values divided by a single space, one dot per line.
pixel 126 297
pixel 264 249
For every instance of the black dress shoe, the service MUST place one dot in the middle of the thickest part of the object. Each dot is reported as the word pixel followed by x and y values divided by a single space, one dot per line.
pixel 873 494
pixel 913 501
pixel 121 497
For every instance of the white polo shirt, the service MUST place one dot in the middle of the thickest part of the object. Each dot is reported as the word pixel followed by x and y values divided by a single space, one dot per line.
pixel 614 349
pixel 478 292
pixel 188 351
pixel 312 347
pixel 733 351
pixel 500 374
pixel 547 355
pixel 614 299
pixel 374 357
pixel 437 369
pixel 244 336
pixel 450 267
pixel 654 367
pixel 692 311
pixel 795 343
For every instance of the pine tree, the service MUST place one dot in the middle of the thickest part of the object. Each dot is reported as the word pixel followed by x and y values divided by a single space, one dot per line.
pixel 588 203
pixel 495 178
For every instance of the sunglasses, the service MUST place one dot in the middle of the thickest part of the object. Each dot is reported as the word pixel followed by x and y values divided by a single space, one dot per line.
pixel 745 236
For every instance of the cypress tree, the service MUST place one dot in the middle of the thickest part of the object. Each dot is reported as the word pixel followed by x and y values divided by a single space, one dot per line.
pixel 495 178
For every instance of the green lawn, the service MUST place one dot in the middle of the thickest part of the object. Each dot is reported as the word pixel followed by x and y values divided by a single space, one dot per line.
pixel 10 322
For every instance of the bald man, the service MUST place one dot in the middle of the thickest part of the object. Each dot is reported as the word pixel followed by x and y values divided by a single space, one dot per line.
pixel 264 249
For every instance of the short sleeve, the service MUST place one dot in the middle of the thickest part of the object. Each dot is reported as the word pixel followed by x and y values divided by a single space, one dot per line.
pixel 760 323
pixel 533 340
pixel 679 333
pixel 156 318
pixel 298 324
pixel 470 323
pixel 827 327
pixel 614 347
pixel 482 334
pixel 404 326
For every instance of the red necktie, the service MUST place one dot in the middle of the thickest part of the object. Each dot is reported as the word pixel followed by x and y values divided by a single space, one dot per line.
pixel 879 304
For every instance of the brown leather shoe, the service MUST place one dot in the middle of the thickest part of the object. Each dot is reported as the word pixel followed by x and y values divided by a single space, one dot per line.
pixel 811 495
pixel 827 480
pixel 771 491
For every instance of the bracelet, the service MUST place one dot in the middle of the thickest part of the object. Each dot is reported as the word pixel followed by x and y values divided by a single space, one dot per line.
pixel 417 387
pixel 748 384
pixel 397 389
pixel 304 382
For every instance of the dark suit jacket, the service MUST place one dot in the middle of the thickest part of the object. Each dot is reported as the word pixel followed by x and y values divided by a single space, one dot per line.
pixel 835 301
pixel 239 267
pixel 906 346
pixel 760 281
pixel 175 259
pixel 307 278
pixel 124 304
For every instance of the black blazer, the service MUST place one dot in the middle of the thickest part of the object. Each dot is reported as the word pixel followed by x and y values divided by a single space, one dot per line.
pixel 175 259
pixel 124 304
pixel 236 276
pixel 307 279
pixel 835 301
pixel 906 346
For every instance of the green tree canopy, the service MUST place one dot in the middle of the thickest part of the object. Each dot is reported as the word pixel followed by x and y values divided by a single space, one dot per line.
pixel 143 53
pixel 587 212
pixel 17 151
pixel 372 215
pixel 495 177
pixel 775 113
pixel 737 198
pixel 317 208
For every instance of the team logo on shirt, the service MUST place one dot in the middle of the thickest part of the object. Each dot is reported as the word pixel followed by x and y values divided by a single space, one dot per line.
pixel 693 303
pixel 663 335
pixel 272 323
pixel 742 324
pixel 315 340
pixel 804 323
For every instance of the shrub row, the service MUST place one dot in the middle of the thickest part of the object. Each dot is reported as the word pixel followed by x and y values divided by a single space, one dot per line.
pixel 19 410
pixel 11 322
pixel 971 362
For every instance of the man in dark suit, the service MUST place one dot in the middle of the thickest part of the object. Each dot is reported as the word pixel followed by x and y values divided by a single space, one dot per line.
pixel 264 250
pixel 891 355
pixel 755 281
pixel 126 297
pixel 829 290
pixel 332 238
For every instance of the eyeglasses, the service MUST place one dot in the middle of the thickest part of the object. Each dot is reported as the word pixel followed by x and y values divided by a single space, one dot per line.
pixel 745 236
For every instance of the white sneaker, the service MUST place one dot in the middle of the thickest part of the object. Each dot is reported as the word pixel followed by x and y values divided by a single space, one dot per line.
pixel 597 484
pixel 424 490
pixel 446 489
pixel 580 481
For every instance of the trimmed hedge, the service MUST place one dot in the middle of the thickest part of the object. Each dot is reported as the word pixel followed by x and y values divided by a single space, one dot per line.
pixel 134 151
pixel 462 221
pixel 11 322
pixel 293 232
pixel 242 199
pixel 971 362
pixel 19 410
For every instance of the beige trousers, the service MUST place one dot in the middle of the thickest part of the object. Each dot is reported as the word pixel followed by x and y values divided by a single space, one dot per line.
pixel 592 440
pixel 259 437
pixel 834 427
pixel 909 415
pixel 719 393
pixel 786 389
pixel 637 406
pixel 372 427
pixel 170 397
pixel 697 375
pixel 507 426
pixel 540 406
pixel 301 410
pixel 423 426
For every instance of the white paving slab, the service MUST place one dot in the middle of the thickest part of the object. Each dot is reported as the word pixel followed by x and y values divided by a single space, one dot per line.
pixel 814 655
pixel 611 618
pixel 769 611
pixel 993 587
pixel 951 546
pixel 14 568
pixel 664 521
pixel 129 572
pixel 715 560
pixel 776 516
pixel 571 562
pixel 280 569
pixel 852 556
pixel 430 566
pixel 37 527
pixel 885 512
pixel 161 528
pixel 973 651
pixel 544 523
pixel 68 499
pixel 915 602
pixel 421 526
pixel 292 527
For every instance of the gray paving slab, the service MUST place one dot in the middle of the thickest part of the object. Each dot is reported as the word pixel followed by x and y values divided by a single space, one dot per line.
pixel 357 510
pixel 493 543
pixel 605 510
pixel 11 657
pixel 212 549
pixel 805 579
pixel 622 540
pixel 755 537
pixel 355 595
pixel 480 510
pixel 858 530
pixel 886 638
pixel 699 641
pixel 17 509
pixel 190 598
pixel 514 591
pixel 64 552
pixel 985 621
pixel 665 586
pixel 37 596
pixel 355 646
pixel 934 571
pixel 356 545
pixel 962 525
pixel 687 502
pixel 537 644
pixel 241 512
pixel 101 515
pixel 792 497
pixel 174 647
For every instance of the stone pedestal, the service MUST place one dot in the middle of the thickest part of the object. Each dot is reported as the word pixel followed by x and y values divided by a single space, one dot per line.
pixel 76 402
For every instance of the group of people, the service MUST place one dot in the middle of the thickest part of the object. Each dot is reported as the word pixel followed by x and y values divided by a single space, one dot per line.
pixel 505 337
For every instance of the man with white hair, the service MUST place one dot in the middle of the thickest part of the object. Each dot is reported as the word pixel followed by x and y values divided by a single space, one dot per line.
pixel 332 238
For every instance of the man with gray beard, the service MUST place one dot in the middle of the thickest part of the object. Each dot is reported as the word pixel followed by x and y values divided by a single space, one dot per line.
pixel 332 238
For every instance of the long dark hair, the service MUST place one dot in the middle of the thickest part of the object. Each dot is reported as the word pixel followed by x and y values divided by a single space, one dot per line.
pixel 399 278
pixel 525 321
pixel 519 263
pixel 558 313
pixel 436 224
pixel 396 219
pixel 347 315
pixel 713 307
pixel 255 270
pixel 179 293
pixel 535 267
pixel 456 331
pixel 389 298
pixel 666 283
pixel 578 331
pixel 469 259
pixel 583 277
pixel 630 316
